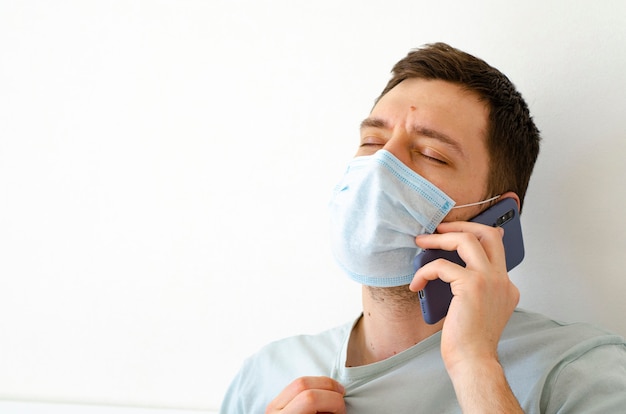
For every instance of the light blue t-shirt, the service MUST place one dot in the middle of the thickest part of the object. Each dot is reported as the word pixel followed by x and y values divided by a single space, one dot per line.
pixel 551 367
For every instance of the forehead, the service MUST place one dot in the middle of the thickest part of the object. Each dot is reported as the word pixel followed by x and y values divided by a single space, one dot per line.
pixel 435 104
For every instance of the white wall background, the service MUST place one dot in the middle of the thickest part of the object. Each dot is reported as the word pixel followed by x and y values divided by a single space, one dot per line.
pixel 165 168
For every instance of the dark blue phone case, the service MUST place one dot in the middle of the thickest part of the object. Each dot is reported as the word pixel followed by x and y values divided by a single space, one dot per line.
pixel 436 296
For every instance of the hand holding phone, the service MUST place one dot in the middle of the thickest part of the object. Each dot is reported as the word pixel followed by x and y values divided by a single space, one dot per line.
pixel 436 296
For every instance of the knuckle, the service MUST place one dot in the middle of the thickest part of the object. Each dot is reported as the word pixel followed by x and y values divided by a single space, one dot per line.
pixel 492 232
pixel 301 384
pixel 309 398
pixel 438 262
pixel 480 282
pixel 468 237
pixel 515 294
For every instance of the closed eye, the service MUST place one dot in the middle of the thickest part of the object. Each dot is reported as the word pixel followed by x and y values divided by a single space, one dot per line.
pixel 370 144
pixel 433 159
pixel 369 148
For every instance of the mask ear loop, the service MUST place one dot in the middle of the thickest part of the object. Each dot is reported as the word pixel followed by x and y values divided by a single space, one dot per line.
pixel 478 202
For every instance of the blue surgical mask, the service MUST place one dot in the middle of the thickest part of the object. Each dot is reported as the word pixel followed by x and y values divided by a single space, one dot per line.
pixel 376 211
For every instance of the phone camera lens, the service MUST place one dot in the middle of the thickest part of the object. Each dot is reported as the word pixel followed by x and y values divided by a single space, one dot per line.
pixel 505 217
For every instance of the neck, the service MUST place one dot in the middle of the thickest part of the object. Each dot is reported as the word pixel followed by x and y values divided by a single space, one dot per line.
pixel 392 322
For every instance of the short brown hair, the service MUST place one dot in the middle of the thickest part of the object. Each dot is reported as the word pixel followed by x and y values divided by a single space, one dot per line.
pixel 512 137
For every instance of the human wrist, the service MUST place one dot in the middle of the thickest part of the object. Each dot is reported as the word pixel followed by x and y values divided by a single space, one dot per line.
pixel 473 368
pixel 480 385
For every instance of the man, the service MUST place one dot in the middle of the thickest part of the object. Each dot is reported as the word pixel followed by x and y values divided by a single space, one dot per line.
pixel 448 129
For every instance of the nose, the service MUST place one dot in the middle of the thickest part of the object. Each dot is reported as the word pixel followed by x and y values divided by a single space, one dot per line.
pixel 400 145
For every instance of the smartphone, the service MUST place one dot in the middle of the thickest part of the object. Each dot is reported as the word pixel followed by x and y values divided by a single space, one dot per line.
pixel 436 296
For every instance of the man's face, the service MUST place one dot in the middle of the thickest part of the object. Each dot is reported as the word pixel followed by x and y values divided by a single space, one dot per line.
pixel 438 130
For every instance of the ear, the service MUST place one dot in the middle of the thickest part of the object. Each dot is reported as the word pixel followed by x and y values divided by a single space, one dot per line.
pixel 514 196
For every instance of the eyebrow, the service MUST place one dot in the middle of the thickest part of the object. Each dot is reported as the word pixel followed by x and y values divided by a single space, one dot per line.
pixel 373 123
pixel 416 130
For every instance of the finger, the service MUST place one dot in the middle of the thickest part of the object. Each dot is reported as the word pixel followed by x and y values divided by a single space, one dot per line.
pixel 303 384
pixel 460 226
pixel 437 269
pixel 466 245
pixel 489 237
pixel 316 401
pixel 470 236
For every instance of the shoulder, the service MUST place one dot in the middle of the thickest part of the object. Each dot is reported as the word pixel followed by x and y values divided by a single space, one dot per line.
pixel 301 350
pixel 525 324
pixel 563 367
pixel 531 340
pixel 551 340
